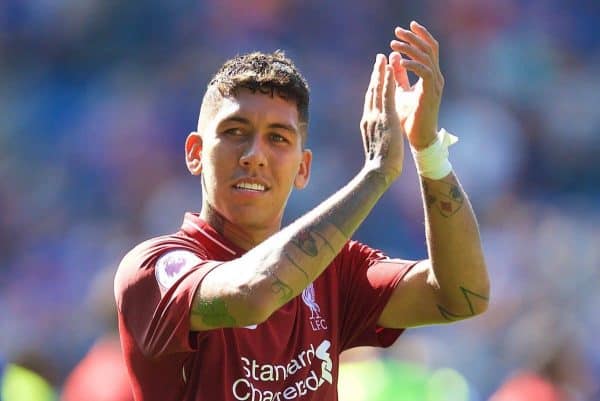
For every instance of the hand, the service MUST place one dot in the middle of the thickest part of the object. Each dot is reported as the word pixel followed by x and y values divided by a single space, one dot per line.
pixel 417 105
pixel 381 130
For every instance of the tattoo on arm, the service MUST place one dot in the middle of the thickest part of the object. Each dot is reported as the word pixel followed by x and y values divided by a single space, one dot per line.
pixel 446 197
pixel 214 313
pixel 325 240
pixel 469 297
pixel 216 220
pixel 305 241
pixel 429 198
pixel 309 242
pixel 279 287
pixel 341 219
pixel 297 266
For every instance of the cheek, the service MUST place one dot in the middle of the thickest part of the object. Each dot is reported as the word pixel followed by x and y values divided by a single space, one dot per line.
pixel 219 160
pixel 287 169
pixel 213 171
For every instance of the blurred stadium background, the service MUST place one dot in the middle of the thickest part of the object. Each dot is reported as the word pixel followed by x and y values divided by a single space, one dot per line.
pixel 97 97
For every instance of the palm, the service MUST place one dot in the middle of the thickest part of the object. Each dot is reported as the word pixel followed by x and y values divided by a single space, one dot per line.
pixel 407 103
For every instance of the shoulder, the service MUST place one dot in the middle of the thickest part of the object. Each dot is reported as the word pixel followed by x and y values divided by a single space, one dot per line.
pixel 161 258
pixel 146 253
pixel 353 261
pixel 355 252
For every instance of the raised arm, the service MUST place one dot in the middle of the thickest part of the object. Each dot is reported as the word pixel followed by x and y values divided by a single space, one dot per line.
pixel 248 290
pixel 453 283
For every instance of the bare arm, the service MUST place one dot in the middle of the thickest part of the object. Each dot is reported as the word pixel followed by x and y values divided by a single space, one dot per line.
pixel 455 251
pixel 249 289
pixel 453 283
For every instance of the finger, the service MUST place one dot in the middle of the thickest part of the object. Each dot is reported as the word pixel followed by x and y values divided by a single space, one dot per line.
pixel 413 52
pixel 424 34
pixel 412 38
pixel 380 66
pixel 422 71
pixel 370 93
pixel 365 135
pixel 389 89
pixel 400 74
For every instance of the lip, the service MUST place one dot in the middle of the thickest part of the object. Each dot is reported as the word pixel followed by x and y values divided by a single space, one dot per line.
pixel 250 180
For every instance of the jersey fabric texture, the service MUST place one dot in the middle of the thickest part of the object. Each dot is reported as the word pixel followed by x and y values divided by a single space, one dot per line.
pixel 292 355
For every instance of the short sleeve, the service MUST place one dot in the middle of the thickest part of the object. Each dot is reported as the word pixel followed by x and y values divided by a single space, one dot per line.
pixel 154 289
pixel 365 288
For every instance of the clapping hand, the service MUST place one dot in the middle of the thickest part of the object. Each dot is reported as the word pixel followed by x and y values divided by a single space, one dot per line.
pixel 417 105
pixel 381 129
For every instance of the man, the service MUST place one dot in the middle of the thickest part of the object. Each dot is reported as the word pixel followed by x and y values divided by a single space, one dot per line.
pixel 234 307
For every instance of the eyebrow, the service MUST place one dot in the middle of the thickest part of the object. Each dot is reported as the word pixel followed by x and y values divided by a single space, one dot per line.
pixel 245 121
pixel 286 127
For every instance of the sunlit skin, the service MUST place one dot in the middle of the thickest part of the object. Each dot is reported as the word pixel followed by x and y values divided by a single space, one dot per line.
pixel 252 138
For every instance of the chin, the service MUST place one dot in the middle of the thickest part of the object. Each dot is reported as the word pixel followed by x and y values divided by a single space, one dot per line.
pixel 254 220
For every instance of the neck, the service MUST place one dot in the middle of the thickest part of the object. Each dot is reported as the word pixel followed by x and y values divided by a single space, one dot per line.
pixel 244 237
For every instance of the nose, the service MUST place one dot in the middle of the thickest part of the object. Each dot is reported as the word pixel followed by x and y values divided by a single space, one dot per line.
pixel 254 153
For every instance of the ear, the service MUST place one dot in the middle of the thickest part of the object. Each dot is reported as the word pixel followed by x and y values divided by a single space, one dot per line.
pixel 193 153
pixel 303 175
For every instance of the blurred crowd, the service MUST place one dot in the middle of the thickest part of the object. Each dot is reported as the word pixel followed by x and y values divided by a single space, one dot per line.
pixel 97 97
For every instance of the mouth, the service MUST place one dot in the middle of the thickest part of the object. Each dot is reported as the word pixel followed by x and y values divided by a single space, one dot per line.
pixel 250 186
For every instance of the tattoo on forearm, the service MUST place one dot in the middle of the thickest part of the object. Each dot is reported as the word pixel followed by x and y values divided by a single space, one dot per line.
pixel 306 242
pixel 469 296
pixel 325 241
pixel 429 198
pixel 214 313
pixel 279 287
pixel 297 266
pixel 342 220
pixel 446 197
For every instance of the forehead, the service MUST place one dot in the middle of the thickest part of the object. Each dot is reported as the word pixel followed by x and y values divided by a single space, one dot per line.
pixel 256 106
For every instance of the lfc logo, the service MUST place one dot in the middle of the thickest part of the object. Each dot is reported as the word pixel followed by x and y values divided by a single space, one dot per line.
pixel 316 321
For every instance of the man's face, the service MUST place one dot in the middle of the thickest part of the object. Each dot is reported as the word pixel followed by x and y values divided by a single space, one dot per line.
pixel 251 156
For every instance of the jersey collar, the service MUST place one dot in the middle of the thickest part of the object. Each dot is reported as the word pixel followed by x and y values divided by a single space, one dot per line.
pixel 200 230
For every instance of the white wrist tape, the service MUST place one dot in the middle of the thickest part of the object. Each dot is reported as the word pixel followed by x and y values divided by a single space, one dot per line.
pixel 432 162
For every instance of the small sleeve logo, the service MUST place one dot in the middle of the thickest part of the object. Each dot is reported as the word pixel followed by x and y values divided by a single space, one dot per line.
pixel 172 265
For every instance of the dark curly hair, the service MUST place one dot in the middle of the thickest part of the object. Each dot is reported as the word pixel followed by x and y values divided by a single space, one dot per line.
pixel 269 73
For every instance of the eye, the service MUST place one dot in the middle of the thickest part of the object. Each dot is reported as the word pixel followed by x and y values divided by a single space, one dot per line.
pixel 275 137
pixel 234 132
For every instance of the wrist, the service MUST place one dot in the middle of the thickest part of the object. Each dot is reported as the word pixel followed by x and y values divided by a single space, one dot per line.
pixel 381 176
pixel 432 161
pixel 425 142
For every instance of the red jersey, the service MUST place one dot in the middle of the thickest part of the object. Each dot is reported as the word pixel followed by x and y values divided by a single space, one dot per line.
pixel 293 355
